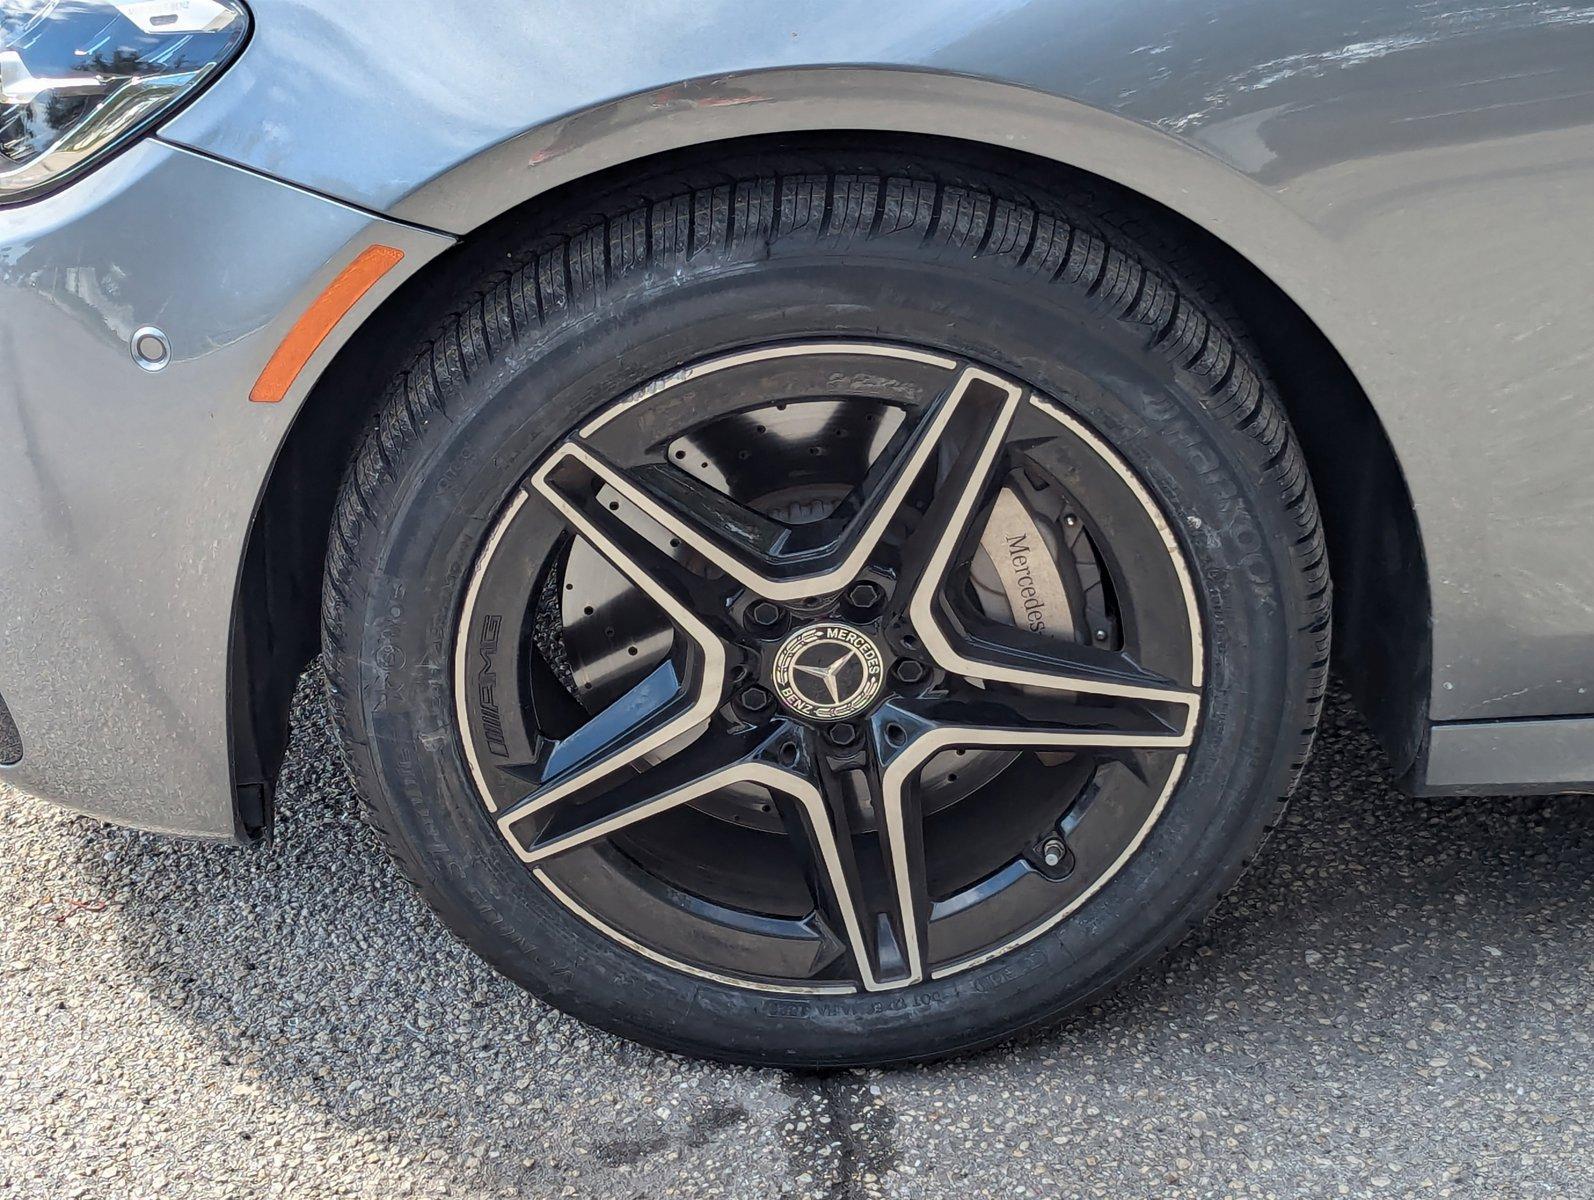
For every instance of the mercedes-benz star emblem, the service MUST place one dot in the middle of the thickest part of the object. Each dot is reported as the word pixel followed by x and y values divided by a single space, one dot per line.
pixel 828 672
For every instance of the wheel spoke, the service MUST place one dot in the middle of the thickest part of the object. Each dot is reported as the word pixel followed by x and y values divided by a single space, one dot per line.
pixel 777 563
pixel 947 521
pixel 556 820
pixel 705 512
pixel 988 717
pixel 1002 654
pixel 674 701
pixel 634 544
pixel 874 886
pixel 655 714
pixel 908 734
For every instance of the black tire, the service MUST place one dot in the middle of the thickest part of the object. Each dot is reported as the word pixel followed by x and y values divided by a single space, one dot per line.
pixel 670 269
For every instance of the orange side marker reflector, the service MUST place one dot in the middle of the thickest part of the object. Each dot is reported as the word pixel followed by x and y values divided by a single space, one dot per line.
pixel 325 311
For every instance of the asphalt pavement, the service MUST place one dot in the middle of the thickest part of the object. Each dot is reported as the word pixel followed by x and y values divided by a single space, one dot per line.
pixel 1396 1001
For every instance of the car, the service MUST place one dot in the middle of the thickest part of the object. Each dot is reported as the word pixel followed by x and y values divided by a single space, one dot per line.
pixel 824 528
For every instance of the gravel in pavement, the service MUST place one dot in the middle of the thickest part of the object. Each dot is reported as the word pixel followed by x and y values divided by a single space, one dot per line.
pixel 1395 1002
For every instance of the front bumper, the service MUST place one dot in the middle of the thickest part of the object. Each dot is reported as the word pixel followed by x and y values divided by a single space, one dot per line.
pixel 126 496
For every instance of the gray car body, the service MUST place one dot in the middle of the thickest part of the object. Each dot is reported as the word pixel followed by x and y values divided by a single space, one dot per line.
pixel 1414 177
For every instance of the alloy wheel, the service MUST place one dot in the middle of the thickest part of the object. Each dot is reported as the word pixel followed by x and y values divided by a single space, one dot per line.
pixel 828 667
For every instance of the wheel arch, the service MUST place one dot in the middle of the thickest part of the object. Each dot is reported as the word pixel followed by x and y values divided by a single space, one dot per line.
pixel 1382 609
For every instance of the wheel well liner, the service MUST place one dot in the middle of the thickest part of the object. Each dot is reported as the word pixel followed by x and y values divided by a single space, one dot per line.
pixel 1382 610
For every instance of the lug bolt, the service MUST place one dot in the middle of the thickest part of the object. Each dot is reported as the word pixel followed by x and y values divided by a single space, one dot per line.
pixel 908 670
pixel 1053 852
pixel 755 699
pixel 864 594
pixel 842 734
pixel 763 614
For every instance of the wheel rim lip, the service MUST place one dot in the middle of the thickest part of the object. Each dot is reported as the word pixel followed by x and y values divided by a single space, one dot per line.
pixel 1101 449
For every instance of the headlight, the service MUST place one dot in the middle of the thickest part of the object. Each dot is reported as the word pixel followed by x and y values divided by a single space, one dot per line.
pixel 80 77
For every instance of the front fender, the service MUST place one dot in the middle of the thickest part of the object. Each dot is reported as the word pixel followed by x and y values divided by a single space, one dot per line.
pixel 127 496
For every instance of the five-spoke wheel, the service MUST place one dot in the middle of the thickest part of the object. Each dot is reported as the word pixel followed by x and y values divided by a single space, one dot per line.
pixel 816 667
